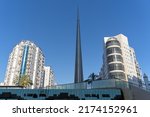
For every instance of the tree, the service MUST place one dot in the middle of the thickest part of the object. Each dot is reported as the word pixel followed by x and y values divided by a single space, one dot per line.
pixel 25 81
pixel 93 76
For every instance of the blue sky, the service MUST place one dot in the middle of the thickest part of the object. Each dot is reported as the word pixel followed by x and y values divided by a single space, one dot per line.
pixel 51 24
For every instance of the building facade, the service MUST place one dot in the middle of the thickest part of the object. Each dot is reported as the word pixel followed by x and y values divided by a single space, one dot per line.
pixel 146 81
pixel 119 60
pixel 61 94
pixel 49 79
pixel 25 59
pixel 1 84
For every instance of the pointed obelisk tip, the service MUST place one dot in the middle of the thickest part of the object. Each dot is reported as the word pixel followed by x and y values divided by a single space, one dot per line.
pixel 78 57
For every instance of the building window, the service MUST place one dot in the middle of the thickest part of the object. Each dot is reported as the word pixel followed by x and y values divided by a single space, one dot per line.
pixel 113 58
pixel 117 75
pixel 115 66
pixel 113 50
pixel 112 42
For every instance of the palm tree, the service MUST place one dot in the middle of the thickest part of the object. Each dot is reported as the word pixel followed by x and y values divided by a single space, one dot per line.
pixel 25 81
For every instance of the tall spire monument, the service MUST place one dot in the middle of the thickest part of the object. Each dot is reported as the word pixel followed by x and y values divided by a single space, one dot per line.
pixel 78 77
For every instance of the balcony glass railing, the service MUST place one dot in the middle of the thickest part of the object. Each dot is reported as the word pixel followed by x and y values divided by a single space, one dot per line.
pixel 110 83
pixel 112 42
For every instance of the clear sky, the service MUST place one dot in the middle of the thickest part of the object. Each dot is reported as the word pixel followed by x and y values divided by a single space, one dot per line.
pixel 51 25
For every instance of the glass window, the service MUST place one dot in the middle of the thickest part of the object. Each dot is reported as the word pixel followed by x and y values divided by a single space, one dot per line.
pixel 114 58
pixel 118 75
pixel 113 50
pixel 115 66
pixel 112 42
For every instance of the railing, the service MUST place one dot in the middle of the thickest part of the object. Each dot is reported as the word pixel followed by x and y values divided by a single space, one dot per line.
pixel 110 83
pixel 90 84
pixel 97 84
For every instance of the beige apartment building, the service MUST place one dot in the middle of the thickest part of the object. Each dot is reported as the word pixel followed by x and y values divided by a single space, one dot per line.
pixel 119 59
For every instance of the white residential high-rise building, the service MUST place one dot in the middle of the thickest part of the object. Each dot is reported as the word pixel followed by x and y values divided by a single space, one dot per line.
pixel 25 59
pixel 48 77
pixel 119 60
